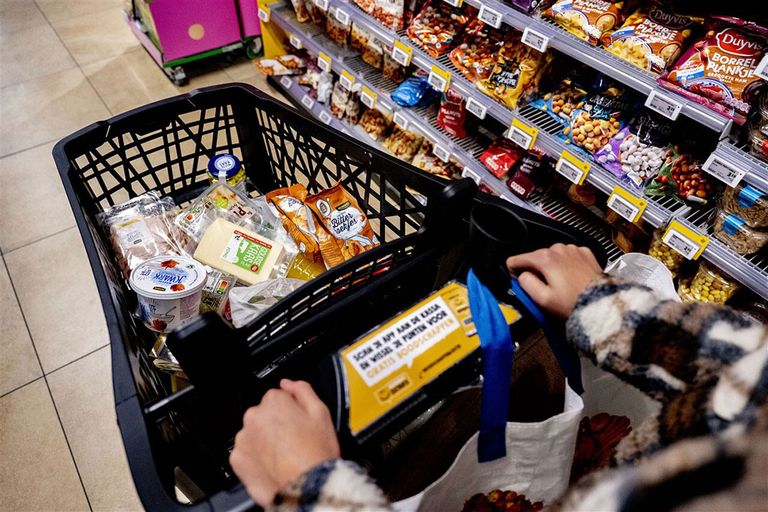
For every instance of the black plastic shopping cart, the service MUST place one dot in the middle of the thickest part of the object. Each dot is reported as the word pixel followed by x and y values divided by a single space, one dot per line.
pixel 183 437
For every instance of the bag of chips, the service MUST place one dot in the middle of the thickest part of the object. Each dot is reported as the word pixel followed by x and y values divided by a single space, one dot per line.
pixel 476 53
pixel 603 115
pixel 719 70
pixel 415 91
pixel 452 115
pixel 586 19
pixel 435 28
pixel 501 156
pixel 652 38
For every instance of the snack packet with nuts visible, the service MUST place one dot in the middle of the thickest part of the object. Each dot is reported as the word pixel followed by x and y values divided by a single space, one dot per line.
pixel 561 103
pixel 586 19
pixel 603 115
pixel 438 24
pixel 680 177
pixel 476 53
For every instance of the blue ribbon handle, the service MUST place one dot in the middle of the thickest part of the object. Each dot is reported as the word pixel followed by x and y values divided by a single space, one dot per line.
pixel 497 354
pixel 564 353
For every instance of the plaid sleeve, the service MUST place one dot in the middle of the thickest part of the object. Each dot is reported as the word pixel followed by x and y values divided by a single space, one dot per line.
pixel 334 485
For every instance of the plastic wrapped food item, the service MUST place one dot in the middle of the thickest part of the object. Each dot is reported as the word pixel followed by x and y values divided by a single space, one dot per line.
pixel 586 19
pixel 390 13
pixel 373 54
pixel 475 55
pixel 215 296
pixel 281 65
pixel 342 216
pixel 584 195
pixel 501 155
pixel 336 30
pixel 391 69
pixel 359 37
pixel 708 285
pixel 529 5
pixel 352 109
pixel 435 28
pixel 316 14
pixel 719 70
pixel 366 5
pixel 628 236
pixel 452 115
pixel 249 302
pixel 403 144
pixel 652 37
pixel 516 72
pixel 375 123
pixel 301 8
pixel 414 92
pixel 638 151
pixel 671 259
pixel 680 177
pixel 758 130
pixel 734 232
pixel 324 87
pixel 561 103
pixel 501 501
pixel 339 99
pixel 426 160
pixel 603 115
pixel 748 203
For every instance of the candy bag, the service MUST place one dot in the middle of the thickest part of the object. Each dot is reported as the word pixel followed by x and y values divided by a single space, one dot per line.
pixel 501 155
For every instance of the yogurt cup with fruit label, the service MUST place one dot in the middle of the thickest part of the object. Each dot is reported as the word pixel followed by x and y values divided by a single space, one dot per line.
pixel 169 290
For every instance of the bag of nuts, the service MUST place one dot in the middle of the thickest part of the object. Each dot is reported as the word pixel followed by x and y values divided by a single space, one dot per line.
pixel 561 102
pixel 603 115
pixel 680 177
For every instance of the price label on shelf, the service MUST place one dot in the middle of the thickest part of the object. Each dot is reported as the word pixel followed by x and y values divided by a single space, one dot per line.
pixel 401 121
pixel 401 53
pixel 264 14
pixel 664 105
pixel 535 40
pixel 342 16
pixel 723 170
pixel 441 153
pixel 476 108
pixel 286 82
pixel 522 134
pixel 469 173
pixel 322 4
pixel 489 16
pixel 324 62
pixel 455 3
pixel 629 206
pixel 684 240
pixel 368 97
pixel 346 80
pixel 295 41
pixel 574 169
pixel 439 78
pixel 325 117
pixel 762 68
pixel 308 102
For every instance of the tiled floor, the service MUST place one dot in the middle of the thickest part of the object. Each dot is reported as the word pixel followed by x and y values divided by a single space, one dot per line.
pixel 63 65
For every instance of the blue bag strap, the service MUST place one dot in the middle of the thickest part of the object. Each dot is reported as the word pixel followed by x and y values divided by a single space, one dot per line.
pixel 565 354
pixel 497 354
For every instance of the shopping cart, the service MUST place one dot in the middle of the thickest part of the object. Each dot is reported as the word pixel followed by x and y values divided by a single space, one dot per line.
pixel 183 437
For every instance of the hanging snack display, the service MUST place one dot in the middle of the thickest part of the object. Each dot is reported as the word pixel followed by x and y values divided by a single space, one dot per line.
pixel 589 20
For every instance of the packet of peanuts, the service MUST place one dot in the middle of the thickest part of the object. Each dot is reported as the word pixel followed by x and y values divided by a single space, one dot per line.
pixel 586 19
pixel 602 116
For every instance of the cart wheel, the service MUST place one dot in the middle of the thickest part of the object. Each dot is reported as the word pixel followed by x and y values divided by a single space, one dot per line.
pixel 254 49
pixel 178 76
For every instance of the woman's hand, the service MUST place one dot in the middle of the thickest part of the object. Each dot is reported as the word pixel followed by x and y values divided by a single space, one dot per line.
pixel 555 277
pixel 288 433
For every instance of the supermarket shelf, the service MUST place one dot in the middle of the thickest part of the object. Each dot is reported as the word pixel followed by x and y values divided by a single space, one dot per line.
pixel 296 92
pixel 740 158
pixel 603 61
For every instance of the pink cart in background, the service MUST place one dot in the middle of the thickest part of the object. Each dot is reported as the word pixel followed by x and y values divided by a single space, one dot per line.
pixel 177 32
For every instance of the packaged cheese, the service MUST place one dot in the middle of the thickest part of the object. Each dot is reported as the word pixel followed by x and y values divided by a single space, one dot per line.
pixel 230 248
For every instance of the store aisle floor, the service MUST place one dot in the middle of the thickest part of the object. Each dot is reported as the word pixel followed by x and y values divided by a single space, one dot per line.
pixel 63 65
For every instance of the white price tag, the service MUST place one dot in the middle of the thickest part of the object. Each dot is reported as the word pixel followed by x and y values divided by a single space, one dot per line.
pixel 664 105
pixel 519 137
pixel 535 40
pixel 342 17
pixel 322 4
pixel 401 54
pixel 681 243
pixel 286 82
pixel 325 117
pixel 469 173
pixel 489 16
pixel 476 108
pixel 623 207
pixel 762 69
pixel 264 15
pixel 723 170
pixel 569 171
pixel 346 80
pixel 367 98
pixel 437 82
pixel 308 102
pixel 295 42
pixel 441 153
pixel 401 121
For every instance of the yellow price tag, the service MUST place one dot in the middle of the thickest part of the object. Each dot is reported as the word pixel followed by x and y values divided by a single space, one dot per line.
pixel 684 240
pixel 401 53
pixel 368 97
pixel 439 78
pixel 324 62
pixel 522 134
pixel 573 168
pixel 626 204
pixel 347 80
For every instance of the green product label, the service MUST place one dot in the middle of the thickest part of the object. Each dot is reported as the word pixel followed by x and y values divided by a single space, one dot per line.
pixel 246 252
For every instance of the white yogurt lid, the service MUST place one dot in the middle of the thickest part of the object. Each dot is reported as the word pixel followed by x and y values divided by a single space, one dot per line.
pixel 168 277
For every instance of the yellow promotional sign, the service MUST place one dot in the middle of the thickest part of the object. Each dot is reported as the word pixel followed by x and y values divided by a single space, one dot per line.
pixel 397 359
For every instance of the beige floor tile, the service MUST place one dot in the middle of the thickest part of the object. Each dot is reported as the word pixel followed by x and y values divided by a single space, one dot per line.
pixel 20 61
pixel 260 82
pixel 204 74
pixel 57 10
pixel 241 70
pixel 96 36
pixel 18 362
pixel 37 471
pixel 82 392
pixel 31 177
pixel 19 15
pixel 55 286
pixel 45 109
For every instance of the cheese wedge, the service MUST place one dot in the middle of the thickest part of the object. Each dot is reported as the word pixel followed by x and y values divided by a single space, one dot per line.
pixel 229 248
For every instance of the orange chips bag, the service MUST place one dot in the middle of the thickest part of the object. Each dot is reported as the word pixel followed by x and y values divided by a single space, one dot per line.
pixel 342 216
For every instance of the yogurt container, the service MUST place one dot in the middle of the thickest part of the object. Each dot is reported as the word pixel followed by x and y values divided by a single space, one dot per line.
pixel 169 290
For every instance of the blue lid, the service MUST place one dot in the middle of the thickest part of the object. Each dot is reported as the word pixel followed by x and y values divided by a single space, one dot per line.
pixel 226 163
pixel 748 196
pixel 732 224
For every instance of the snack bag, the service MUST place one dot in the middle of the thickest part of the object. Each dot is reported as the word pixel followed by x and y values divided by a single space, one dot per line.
pixel 375 123
pixel 352 108
pixel 373 54
pixel 403 144
pixel 301 9
pixel 339 99
pixel 651 38
pixel 437 25
pixel 603 115
pixel 638 150
pixel 281 65
pixel 475 55
pixel 359 37
pixel 366 5
pixel 415 91
pixel 452 115
pixel 390 13
pixel 586 19
pixel 501 155
pixel 391 69
pixel 336 30
pixel 426 160
pixel 344 220
pixel 719 70
pixel 561 103
pixel 680 177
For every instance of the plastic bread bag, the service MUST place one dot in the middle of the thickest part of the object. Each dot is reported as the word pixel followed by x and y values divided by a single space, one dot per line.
pixel 342 216
pixel 248 302
pixel 652 38
pixel 438 24
pixel 603 115
pixel 141 229
pixel 475 54
pixel 586 19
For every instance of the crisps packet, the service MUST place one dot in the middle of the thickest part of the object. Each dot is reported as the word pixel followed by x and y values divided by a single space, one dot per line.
pixel 586 19
pixel 345 220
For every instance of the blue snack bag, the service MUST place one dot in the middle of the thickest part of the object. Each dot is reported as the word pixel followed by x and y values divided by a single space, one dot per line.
pixel 415 91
